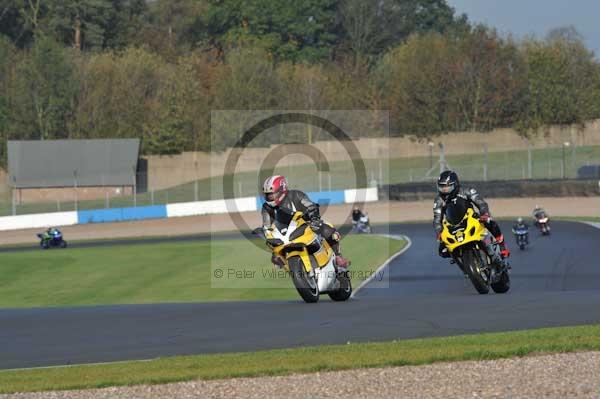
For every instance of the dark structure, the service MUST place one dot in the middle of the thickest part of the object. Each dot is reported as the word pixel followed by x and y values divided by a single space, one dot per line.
pixel 64 169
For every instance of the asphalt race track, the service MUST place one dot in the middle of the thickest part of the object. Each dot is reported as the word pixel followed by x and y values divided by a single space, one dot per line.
pixel 555 282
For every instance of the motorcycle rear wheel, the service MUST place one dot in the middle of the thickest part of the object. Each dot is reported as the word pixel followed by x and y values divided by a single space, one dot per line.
pixel 305 284
pixel 473 264
pixel 345 291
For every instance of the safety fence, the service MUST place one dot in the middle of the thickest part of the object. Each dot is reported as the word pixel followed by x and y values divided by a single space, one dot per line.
pixel 245 204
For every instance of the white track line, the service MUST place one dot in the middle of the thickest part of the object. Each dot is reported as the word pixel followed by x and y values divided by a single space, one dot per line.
pixel 387 262
pixel 593 224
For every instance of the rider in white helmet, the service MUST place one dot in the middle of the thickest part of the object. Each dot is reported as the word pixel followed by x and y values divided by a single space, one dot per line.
pixel 278 196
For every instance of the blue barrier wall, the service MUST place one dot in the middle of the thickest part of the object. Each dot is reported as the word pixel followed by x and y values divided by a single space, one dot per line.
pixel 121 214
pixel 321 197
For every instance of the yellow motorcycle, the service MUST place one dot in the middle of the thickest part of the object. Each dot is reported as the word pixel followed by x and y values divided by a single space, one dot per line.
pixel 307 257
pixel 474 249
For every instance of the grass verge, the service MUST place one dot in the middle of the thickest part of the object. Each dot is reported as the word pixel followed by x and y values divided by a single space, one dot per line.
pixel 305 360
pixel 162 272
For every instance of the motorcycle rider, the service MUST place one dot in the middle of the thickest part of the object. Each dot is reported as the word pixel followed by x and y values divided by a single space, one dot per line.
pixel 521 224
pixel 538 213
pixel 278 196
pixel 356 215
pixel 449 188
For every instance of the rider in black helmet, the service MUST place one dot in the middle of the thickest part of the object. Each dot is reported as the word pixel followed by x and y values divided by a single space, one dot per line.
pixel 449 189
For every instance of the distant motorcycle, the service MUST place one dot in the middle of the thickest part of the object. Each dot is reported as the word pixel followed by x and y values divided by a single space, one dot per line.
pixel 543 224
pixel 52 239
pixel 362 225
pixel 521 237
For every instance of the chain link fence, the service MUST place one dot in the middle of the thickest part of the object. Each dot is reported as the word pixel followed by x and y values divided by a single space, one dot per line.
pixel 568 161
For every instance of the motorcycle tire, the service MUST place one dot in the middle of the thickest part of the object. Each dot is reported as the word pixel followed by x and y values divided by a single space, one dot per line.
pixel 503 285
pixel 345 291
pixel 472 264
pixel 305 284
pixel 521 247
pixel 63 244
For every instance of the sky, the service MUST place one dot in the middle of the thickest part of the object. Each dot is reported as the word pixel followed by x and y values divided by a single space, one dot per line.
pixel 523 17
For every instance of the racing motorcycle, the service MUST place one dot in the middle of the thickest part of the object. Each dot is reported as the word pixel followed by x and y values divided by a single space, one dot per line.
pixel 307 257
pixel 474 249
pixel 521 236
pixel 362 225
pixel 542 223
pixel 52 239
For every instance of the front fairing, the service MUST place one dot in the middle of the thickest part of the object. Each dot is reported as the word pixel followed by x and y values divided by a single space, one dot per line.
pixel 468 230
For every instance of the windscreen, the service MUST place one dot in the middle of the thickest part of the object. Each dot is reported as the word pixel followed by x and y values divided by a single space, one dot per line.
pixel 456 210
pixel 283 218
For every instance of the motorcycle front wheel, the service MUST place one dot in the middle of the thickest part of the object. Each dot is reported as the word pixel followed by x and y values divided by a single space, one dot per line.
pixel 503 285
pixel 345 291
pixel 305 285
pixel 473 266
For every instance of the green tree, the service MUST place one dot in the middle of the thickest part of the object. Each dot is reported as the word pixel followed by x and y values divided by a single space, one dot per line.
pixel 17 20
pixel 7 60
pixel 82 24
pixel 126 21
pixel 370 27
pixel 562 83
pixel 43 91
pixel 120 94
pixel 288 29
pixel 489 80
pixel 417 81
pixel 247 81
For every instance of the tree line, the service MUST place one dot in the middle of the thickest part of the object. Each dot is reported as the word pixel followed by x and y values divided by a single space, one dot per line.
pixel 156 69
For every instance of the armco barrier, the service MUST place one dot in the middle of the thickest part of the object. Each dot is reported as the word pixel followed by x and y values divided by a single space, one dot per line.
pixel 247 204
pixel 38 220
pixel 498 189
pixel 361 195
pixel 211 207
pixel 121 214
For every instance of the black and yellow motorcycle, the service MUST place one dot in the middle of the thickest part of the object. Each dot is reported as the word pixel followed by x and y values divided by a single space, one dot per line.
pixel 474 249
pixel 307 257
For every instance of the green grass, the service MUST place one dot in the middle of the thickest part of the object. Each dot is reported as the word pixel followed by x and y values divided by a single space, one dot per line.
pixel 547 163
pixel 165 272
pixel 305 360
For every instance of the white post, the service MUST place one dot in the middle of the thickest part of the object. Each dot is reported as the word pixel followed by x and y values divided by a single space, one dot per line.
pixel 485 162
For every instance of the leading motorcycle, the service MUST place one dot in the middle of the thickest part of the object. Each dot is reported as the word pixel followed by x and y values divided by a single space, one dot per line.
pixel 474 249
pixel 307 257
pixel 52 238
pixel 362 225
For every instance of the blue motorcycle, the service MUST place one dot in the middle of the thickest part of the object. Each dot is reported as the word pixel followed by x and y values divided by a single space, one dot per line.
pixel 521 236
pixel 52 238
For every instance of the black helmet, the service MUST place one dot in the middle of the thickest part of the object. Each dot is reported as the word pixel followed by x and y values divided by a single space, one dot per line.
pixel 448 184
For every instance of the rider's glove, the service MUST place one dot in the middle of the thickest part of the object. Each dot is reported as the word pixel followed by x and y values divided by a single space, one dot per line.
pixel 484 217
pixel 315 224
